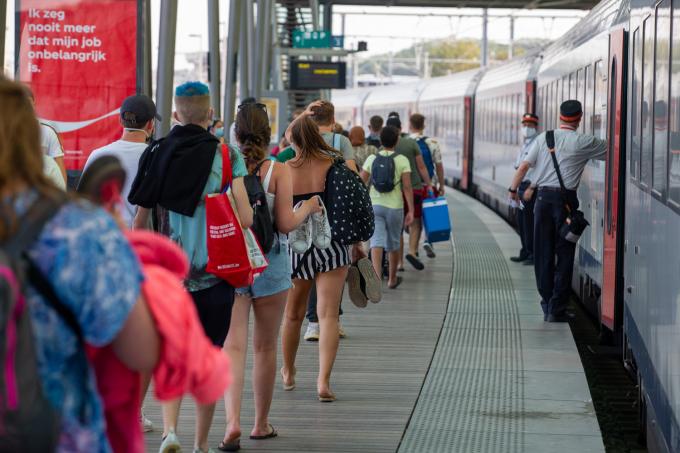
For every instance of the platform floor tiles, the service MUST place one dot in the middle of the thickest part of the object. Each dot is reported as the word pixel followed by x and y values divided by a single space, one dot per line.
pixel 457 359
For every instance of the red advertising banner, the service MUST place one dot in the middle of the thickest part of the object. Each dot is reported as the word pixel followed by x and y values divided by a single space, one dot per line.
pixel 79 58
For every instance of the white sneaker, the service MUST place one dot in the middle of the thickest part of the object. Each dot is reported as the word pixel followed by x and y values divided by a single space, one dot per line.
pixel 300 239
pixel 147 425
pixel 170 443
pixel 321 229
pixel 341 331
pixel 312 333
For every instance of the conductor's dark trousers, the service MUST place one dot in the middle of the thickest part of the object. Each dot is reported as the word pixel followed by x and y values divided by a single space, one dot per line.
pixel 553 255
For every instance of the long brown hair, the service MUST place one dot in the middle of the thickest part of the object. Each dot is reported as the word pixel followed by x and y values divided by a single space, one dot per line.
pixel 309 142
pixel 253 133
pixel 21 160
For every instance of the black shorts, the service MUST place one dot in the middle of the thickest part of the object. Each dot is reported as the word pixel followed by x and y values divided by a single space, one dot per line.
pixel 214 306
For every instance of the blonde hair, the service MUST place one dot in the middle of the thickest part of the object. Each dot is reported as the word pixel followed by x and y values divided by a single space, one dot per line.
pixel 193 109
pixel 21 156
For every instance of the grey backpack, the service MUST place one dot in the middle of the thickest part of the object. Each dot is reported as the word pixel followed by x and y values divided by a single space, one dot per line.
pixel 28 422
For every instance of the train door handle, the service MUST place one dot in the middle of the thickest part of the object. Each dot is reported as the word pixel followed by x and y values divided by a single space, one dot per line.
pixel 629 290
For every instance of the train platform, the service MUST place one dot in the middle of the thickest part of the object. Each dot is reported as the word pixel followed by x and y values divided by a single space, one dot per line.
pixel 458 359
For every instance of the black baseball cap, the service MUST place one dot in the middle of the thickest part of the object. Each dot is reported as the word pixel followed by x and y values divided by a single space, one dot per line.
pixel 141 106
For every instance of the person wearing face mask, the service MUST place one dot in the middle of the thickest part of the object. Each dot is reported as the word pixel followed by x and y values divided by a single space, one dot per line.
pixel 525 215
pixel 217 129
pixel 137 116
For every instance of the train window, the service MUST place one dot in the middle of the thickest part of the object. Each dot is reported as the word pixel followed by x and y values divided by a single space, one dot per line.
pixel 589 100
pixel 661 90
pixel 647 103
pixel 674 157
pixel 600 105
pixel 636 90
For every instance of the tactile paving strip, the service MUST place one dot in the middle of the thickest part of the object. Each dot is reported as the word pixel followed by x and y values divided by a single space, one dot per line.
pixel 472 399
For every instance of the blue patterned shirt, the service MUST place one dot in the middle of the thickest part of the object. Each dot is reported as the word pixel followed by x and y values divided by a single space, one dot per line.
pixel 95 273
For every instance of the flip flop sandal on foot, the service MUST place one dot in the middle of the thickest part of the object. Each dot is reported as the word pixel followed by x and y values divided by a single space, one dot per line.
pixel 271 434
pixel 287 387
pixel 232 445
pixel 328 398
pixel 399 280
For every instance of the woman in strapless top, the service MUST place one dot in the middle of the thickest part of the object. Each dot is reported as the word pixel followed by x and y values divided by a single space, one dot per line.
pixel 326 267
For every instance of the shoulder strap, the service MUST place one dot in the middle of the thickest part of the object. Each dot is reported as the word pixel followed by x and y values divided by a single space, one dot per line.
pixel 31 225
pixel 226 167
pixel 268 176
pixel 550 142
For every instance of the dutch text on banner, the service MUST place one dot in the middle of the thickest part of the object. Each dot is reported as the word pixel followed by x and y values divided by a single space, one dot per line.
pixel 79 57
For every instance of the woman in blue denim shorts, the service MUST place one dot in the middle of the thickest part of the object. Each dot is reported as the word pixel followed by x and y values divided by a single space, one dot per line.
pixel 267 295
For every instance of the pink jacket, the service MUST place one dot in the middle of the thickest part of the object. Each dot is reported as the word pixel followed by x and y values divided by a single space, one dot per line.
pixel 188 362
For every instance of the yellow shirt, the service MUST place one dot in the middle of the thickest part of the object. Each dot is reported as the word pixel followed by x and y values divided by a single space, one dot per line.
pixel 393 199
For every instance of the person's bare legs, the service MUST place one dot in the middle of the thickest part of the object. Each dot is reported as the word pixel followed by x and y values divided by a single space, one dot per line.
pixel 393 260
pixel 414 236
pixel 170 411
pixel 236 347
pixel 268 314
pixel 329 287
pixel 204 416
pixel 296 306
pixel 377 259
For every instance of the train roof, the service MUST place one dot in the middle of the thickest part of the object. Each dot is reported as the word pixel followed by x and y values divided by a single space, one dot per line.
pixel 352 98
pixel 402 93
pixel 451 86
pixel 600 19
pixel 517 70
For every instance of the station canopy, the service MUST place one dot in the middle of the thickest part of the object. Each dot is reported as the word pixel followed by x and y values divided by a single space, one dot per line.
pixel 528 4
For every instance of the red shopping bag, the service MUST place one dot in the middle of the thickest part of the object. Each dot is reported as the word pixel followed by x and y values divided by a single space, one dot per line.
pixel 228 256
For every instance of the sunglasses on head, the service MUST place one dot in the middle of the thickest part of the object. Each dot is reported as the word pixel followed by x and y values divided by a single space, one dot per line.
pixel 256 104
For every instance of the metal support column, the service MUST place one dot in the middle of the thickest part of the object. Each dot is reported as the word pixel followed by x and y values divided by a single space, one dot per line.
pixel 3 25
pixel 231 62
pixel 485 40
pixel 511 47
pixel 263 8
pixel 214 56
pixel 314 6
pixel 243 76
pixel 147 58
pixel 166 63
pixel 266 44
pixel 251 46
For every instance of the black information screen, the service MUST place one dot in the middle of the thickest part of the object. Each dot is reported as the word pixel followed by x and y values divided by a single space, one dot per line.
pixel 318 75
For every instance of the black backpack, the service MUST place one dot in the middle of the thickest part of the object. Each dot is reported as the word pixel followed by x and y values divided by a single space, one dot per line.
pixel 382 173
pixel 348 204
pixel 24 408
pixel 373 141
pixel 263 224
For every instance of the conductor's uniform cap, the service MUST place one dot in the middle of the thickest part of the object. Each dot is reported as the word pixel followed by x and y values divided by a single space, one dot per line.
pixel 571 110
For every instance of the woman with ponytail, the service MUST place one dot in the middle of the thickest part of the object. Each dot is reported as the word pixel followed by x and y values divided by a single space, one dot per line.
pixel 267 296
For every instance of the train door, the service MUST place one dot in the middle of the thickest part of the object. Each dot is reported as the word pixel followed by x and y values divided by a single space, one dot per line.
pixel 466 170
pixel 612 259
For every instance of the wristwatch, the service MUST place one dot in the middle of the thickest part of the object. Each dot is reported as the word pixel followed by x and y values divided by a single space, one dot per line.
pixel 511 190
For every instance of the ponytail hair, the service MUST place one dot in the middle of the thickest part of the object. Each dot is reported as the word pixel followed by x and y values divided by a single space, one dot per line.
pixel 309 142
pixel 252 133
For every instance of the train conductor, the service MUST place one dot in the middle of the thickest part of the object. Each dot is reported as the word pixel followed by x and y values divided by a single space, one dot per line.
pixel 573 151
pixel 525 215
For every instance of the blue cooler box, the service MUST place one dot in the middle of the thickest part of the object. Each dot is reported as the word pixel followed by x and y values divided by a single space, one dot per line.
pixel 436 219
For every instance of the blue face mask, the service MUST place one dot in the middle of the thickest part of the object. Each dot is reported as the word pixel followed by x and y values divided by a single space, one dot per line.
pixel 219 132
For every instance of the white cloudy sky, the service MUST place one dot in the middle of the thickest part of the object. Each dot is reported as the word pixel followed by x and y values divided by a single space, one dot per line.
pixel 383 32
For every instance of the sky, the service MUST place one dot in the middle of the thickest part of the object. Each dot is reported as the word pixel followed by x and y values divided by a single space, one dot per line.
pixel 379 26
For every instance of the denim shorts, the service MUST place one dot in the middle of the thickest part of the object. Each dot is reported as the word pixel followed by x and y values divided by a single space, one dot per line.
pixel 276 277
pixel 388 228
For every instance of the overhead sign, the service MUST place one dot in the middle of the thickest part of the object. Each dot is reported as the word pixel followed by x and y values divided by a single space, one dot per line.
pixel 338 41
pixel 316 39
pixel 318 75
pixel 79 57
